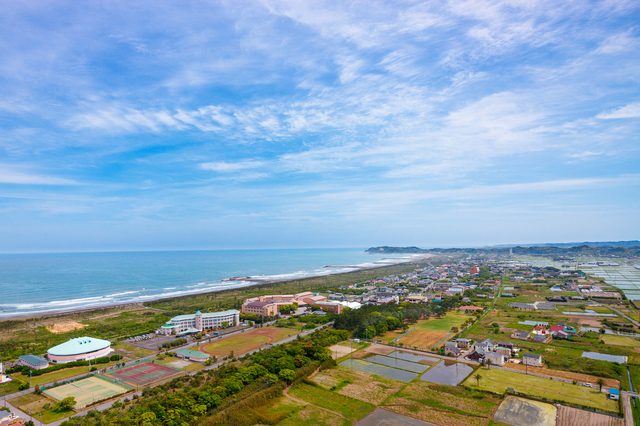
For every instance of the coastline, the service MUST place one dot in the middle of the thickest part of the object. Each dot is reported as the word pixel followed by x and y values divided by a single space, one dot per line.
pixel 251 282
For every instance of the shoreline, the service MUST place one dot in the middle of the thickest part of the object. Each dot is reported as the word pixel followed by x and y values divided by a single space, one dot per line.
pixel 251 282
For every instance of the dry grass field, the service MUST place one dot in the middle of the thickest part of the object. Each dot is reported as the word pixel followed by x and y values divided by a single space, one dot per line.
pixel 569 416
pixel 65 327
pixel 357 384
pixel 423 339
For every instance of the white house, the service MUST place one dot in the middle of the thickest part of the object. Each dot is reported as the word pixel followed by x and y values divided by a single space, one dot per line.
pixel 485 346
pixel 496 358
pixel 533 360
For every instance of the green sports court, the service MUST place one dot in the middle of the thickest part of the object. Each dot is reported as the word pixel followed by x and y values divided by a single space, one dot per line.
pixel 87 391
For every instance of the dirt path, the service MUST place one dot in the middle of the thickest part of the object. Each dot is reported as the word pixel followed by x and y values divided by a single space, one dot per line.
pixel 626 404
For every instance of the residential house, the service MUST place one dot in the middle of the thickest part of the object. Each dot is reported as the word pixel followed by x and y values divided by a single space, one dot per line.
pixel 451 350
pixel 561 335
pixel 485 346
pixel 508 345
pixel 463 343
pixel 496 358
pixel 541 338
pixel 521 335
pixel 533 360
pixel 502 350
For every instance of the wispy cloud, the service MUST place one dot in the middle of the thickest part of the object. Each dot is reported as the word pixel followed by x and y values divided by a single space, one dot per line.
pixel 628 111
pixel 24 178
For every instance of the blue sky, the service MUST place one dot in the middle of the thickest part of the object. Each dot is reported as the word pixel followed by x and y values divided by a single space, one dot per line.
pixel 267 124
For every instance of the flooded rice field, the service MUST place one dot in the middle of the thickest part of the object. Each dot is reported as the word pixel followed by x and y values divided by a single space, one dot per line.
pixel 379 369
pixel 447 373
pixel 397 363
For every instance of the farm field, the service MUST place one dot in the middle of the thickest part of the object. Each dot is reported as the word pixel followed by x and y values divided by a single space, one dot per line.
pixel 568 375
pixel 304 415
pixel 246 341
pixel 569 416
pixel 619 340
pixel 35 404
pixel 452 319
pixel 494 380
pixel 423 339
pixel 357 384
pixel 516 411
pixel 350 407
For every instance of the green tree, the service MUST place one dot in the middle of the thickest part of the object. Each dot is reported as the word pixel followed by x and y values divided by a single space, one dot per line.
pixel 600 383
pixel 66 404
pixel 478 377
pixel 288 375
pixel 488 363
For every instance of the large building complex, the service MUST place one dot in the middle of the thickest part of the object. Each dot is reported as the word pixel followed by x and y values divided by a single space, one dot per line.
pixel 197 322
pixel 79 349
pixel 268 305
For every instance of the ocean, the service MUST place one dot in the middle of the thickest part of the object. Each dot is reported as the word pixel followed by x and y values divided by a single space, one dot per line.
pixel 36 283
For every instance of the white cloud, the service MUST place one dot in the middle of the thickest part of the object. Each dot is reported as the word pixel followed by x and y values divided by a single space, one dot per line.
pixel 225 167
pixel 22 178
pixel 628 111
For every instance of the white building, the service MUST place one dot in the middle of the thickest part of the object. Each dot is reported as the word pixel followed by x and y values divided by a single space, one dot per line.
pixel 496 358
pixel 197 322
pixel 485 346
pixel 533 360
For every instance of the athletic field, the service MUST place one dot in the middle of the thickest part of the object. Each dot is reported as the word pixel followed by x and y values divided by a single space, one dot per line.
pixel 145 373
pixel 87 391
pixel 247 341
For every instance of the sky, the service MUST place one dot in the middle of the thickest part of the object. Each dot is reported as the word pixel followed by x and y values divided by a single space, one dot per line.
pixel 137 125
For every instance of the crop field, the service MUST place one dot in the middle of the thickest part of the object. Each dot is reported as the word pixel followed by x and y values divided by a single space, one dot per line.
pixel 246 341
pixel 357 384
pixel 32 403
pixel 379 370
pixel 569 416
pixel 350 407
pixel 87 391
pixel 145 373
pixel 497 381
pixel 619 340
pixel 424 339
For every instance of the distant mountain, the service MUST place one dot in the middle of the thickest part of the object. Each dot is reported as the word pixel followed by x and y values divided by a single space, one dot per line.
pixel 609 248
pixel 626 244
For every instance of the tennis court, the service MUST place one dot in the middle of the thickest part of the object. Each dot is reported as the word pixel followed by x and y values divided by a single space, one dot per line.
pixel 87 391
pixel 145 373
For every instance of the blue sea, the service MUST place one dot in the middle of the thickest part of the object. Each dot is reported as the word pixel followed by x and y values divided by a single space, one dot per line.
pixel 32 283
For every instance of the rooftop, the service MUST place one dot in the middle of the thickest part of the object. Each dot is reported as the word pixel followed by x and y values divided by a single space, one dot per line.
pixel 79 345
pixel 35 360
pixel 192 354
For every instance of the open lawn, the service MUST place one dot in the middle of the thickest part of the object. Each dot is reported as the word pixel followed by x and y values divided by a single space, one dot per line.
pixel 350 407
pixel 452 319
pixel 424 339
pixel 55 376
pixel 36 404
pixel 620 340
pixel 247 341
pixel 497 381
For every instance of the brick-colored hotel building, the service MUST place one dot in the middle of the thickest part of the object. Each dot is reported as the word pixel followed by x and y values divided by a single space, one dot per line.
pixel 268 305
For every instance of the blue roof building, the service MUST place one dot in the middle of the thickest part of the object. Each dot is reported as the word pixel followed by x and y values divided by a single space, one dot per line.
pixel 33 361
